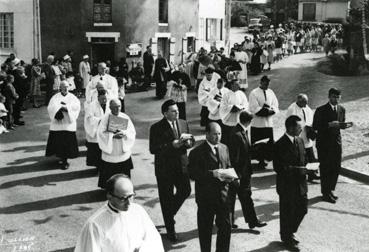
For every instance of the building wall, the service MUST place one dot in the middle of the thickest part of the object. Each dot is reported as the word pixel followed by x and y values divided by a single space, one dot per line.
pixel 326 10
pixel 210 9
pixel 23 29
pixel 65 23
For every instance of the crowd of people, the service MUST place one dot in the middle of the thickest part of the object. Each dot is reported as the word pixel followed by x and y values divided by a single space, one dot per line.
pixel 238 129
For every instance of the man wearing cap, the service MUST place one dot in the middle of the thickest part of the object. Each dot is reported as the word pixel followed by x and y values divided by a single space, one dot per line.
pixel 328 121
pixel 110 83
pixel 264 105
pixel 120 224
pixel 85 71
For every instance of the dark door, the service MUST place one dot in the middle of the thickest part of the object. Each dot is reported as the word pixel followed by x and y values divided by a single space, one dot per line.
pixel 308 11
pixel 102 52
pixel 164 47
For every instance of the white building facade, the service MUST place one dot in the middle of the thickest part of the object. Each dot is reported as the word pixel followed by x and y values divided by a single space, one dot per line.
pixel 211 24
pixel 323 10
pixel 20 29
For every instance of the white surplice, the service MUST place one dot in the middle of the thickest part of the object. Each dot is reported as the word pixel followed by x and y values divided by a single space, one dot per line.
pixel 229 100
pixel 84 72
pixel 205 87
pixel 115 150
pixel 306 120
pixel 93 115
pixel 257 101
pixel 110 84
pixel 69 122
pixel 213 105
pixel 109 230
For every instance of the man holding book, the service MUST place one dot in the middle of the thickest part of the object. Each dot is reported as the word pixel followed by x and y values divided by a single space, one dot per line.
pixel 116 136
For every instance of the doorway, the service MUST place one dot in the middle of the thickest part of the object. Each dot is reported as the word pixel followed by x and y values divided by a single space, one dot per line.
pixel 164 47
pixel 101 52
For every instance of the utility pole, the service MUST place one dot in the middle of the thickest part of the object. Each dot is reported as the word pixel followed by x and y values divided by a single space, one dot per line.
pixel 228 15
pixel 364 27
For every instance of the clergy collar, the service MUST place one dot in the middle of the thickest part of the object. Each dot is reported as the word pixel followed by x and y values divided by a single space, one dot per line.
pixel 292 139
pixel 113 208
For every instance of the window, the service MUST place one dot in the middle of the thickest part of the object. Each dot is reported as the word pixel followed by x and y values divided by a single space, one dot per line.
pixel 102 11
pixel 6 30
pixel 163 11
pixel 308 13
pixel 214 29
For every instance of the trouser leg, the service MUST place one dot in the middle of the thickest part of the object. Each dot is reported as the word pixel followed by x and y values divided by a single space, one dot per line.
pixel 165 189
pixel 183 191
pixel 205 219
pixel 223 222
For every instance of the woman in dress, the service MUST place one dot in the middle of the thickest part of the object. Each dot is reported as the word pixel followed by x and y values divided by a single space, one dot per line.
pixel 36 77
pixel 269 44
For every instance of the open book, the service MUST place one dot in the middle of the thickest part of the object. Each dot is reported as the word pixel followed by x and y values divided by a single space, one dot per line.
pixel 116 123
pixel 265 140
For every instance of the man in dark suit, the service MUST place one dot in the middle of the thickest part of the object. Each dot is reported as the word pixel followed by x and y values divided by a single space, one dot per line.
pixel 206 163
pixel 148 63
pixel 289 162
pixel 329 119
pixel 240 155
pixel 170 150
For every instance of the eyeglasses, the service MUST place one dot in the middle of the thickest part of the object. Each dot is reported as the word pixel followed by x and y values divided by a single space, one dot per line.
pixel 124 198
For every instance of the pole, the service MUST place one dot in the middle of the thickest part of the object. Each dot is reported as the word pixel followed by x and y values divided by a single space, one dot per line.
pixel 228 14
pixel 364 25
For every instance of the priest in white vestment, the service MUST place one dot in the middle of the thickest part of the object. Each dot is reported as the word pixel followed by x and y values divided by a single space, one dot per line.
pixel 94 112
pixel 63 110
pixel 232 104
pixel 242 58
pixel 301 109
pixel 120 225
pixel 116 136
pixel 85 71
pixel 111 83
pixel 263 105
pixel 207 84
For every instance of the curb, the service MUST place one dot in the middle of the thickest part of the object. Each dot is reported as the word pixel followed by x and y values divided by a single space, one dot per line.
pixel 362 177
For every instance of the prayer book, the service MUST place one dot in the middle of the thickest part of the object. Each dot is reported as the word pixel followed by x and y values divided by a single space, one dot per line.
pixel 265 140
pixel 312 166
pixel 116 123
pixel 185 136
pixel 229 173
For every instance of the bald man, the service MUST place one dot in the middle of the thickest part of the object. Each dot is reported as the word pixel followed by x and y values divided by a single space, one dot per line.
pixel 110 83
pixel 301 109
pixel 116 136
pixel 120 225
pixel 211 189
pixel 63 111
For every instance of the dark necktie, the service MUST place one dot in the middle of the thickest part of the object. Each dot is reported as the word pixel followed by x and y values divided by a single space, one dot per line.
pixel 175 131
pixel 303 111
pixel 217 155
pixel 335 112
pixel 265 95
pixel 103 107
pixel 220 92
pixel 296 143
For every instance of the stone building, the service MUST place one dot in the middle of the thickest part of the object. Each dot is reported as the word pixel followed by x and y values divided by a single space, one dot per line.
pixel 323 10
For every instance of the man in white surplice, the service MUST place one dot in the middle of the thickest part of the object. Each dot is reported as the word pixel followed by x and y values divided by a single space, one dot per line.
pixel 206 85
pixel 111 84
pixel 119 225
pixel 94 112
pixel 116 146
pixel 63 111
pixel 264 105
pixel 242 58
pixel 85 71
pixel 232 104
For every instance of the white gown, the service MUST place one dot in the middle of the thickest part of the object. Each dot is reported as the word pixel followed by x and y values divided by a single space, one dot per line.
pixel 229 100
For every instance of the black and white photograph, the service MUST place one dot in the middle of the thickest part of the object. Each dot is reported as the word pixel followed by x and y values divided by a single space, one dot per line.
pixel 184 125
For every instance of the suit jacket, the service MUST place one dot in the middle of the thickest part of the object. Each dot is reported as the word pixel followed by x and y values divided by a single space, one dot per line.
pixel 328 138
pixel 286 154
pixel 202 161
pixel 169 161
pixel 240 152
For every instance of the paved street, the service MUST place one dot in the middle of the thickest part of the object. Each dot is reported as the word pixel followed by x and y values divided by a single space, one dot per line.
pixel 45 207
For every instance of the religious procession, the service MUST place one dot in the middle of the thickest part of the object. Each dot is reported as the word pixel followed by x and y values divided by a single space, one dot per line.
pixel 148 151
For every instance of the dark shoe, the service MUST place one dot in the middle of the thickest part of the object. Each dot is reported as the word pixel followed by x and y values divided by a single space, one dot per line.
pixel 294 239
pixel 262 165
pixel 329 199
pixel 333 196
pixel 19 123
pixel 172 236
pixel 258 224
pixel 11 128
pixel 234 226
pixel 291 245
pixel 65 166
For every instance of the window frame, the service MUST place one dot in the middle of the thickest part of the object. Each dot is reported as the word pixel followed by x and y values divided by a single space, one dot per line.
pixel 103 21
pixel 163 21
pixel 6 30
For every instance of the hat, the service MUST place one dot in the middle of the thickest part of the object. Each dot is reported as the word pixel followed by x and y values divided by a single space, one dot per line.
pixel 280 25
pixel 85 56
pixel 66 57
pixel 272 26
pixel 265 78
